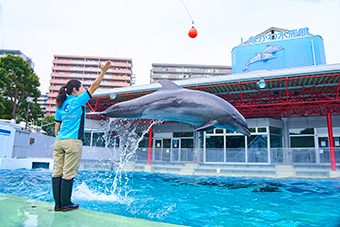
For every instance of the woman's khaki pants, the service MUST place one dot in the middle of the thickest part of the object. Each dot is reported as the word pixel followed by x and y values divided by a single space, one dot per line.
pixel 67 155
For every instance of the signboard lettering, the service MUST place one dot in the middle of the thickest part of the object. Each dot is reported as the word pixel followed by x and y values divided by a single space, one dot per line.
pixel 294 33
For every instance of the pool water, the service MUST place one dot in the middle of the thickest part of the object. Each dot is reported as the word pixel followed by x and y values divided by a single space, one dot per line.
pixel 191 200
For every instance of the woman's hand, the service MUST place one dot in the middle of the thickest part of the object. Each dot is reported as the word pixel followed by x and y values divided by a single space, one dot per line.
pixel 99 79
pixel 105 67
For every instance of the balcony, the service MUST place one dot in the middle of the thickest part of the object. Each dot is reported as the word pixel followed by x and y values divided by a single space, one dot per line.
pixel 58 61
pixel 120 77
pixel 63 75
pixel 114 84
pixel 51 109
pixel 64 68
pixel 54 81
pixel 53 88
pixel 52 95
pixel 52 102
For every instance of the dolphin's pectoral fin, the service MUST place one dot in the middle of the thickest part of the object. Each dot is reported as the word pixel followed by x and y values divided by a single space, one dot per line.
pixel 207 125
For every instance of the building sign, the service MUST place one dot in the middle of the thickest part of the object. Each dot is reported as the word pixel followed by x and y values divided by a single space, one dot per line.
pixel 294 33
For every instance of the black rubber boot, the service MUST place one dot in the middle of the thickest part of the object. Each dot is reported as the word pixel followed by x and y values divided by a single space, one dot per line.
pixel 56 186
pixel 65 196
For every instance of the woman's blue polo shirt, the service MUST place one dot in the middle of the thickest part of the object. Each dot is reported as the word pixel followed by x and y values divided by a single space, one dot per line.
pixel 72 116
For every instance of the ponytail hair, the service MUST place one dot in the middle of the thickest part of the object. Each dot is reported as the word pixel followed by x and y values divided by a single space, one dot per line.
pixel 67 89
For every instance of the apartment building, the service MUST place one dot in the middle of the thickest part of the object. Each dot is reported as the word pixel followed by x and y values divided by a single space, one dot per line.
pixel 4 53
pixel 164 71
pixel 86 69
pixel 42 101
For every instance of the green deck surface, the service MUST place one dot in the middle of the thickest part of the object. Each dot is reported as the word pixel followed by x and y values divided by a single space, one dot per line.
pixel 20 211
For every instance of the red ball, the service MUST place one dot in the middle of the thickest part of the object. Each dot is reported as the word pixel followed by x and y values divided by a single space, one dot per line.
pixel 192 32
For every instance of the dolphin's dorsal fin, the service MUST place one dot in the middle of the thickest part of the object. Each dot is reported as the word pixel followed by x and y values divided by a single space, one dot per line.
pixel 168 84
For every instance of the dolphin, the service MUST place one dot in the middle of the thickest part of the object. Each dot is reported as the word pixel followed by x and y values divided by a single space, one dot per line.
pixel 258 57
pixel 174 103
pixel 272 49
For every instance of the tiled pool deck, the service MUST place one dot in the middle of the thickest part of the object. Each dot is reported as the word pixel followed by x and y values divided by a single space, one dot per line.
pixel 21 211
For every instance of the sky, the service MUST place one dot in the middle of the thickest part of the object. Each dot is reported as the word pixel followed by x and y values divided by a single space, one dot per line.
pixel 155 31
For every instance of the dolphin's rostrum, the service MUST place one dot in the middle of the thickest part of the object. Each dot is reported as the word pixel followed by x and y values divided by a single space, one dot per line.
pixel 174 103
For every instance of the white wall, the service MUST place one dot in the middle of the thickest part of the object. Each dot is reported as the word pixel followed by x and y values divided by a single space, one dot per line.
pixel 7 135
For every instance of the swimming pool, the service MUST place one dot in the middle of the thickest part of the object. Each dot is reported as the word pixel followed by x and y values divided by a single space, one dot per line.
pixel 191 200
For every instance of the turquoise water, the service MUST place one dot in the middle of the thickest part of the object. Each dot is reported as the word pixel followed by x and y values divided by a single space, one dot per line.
pixel 191 200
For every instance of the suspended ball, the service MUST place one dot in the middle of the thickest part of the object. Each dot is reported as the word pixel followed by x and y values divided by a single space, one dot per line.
pixel 192 32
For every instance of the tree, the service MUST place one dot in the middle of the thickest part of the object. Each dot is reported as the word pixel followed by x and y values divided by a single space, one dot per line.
pixel 48 125
pixel 18 81
pixel 34 113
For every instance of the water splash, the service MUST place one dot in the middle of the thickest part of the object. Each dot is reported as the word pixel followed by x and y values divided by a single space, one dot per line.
pixel 127 133
pixel 83 192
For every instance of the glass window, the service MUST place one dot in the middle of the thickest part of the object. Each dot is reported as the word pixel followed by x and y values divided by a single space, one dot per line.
pixel 235 141
pixel 299 131
pixel 187 143
pixel 323 142
pixel 275 141
pixel 257 148
pixel 214 149
pixel 262 129
pixel 219 131
pixel 187 151
pixel 98 139
pixel 166 150
pixel 252 130
pixel 257 141
pixel 235 149
pixel 183 134
pixel 87 141
pixel 175 150
pixel 275 130
pixel 336 141
pixel 157 151
pixel 302 141
pixel 112 139
pixel 144 142
pixel 214 142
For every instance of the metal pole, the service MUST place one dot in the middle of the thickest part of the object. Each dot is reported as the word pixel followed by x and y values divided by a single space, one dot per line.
pixel 331 141
pixel 150 145
pixel 28 107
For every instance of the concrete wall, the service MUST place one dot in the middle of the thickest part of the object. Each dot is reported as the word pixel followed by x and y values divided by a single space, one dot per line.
pixel 42 147
pixel 100 153
pixel 312 122
pixel 261 122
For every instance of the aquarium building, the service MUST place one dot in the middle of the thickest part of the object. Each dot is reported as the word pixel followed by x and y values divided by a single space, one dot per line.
pixel 287 93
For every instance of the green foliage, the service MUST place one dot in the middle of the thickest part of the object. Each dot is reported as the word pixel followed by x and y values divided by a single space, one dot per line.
pixel 48 124
pixel 17 82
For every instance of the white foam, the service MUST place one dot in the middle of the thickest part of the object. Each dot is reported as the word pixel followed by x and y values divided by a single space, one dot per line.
pixel 83 192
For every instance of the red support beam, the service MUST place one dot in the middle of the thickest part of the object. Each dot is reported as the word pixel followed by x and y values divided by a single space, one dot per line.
pixel 331 141
pixel 284 97
pixel 150 145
